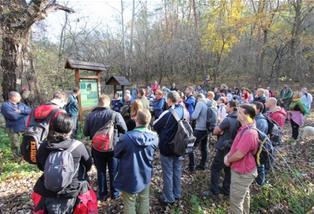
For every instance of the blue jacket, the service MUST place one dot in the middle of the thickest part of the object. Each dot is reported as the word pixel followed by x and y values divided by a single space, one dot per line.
pixel 261 123
pixel 158 107
pixel 166 127
pixel 72 108
pixel 190 104
pixel 135 150
pixel 99 117
pixel 15 120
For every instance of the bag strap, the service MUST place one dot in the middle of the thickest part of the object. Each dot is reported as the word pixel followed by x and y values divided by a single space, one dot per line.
pixel 175 114
pixel 52 114
pixel 74 145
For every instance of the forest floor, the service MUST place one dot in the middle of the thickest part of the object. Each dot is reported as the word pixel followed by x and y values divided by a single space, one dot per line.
pixel 289 188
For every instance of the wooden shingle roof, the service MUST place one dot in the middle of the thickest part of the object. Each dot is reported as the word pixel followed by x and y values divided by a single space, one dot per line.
pixel 118 80
pixel 89 66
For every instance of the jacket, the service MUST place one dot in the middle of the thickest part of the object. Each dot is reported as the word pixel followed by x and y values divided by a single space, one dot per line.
pixel 190 104
pixel 229 126
pixel 166 127
pixel 135 151
pixel 158 107
pixel 15 120
pixel 99 117
pixel 72 108
pixel 261 123
pixel 200 115
pixel 279 115
pixel 80 156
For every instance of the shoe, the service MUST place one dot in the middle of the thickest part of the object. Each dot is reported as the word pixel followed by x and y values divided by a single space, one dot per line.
pixel 164 203
pixel 200 167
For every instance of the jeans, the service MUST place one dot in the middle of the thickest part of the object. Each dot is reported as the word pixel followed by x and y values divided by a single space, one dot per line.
pixel 201 138
pixel 171 174
pixel 136 203
pixel 102 160
pixel 216 167
pixel 295 129
pixel 75 126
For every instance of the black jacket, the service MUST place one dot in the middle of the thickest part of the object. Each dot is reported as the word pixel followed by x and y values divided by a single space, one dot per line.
pixel 99 117
pixel 80 156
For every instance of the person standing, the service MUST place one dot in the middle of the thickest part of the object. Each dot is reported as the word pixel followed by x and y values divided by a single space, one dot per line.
pixel 200 132
pixel 307 99
pixel 15 114
pixel 296 114
pixel 141 96
pixel 286 95
pixel 95 121
pixel 72 108
pixel 135 151
pixel 226 131
pixel 159 104
pixel 275 112
pixel 166 127
pixel 190 100
pixel 242 161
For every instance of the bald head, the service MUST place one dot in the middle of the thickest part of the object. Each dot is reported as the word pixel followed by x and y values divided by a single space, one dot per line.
pixel 271 103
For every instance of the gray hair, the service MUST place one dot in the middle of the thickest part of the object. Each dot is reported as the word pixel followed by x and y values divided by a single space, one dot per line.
pixel 173 96
pixel 14 94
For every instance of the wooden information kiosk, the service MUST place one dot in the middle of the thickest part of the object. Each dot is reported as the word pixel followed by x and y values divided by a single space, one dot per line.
pixel 88 85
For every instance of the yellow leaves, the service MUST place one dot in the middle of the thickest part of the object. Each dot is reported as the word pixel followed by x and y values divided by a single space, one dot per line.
pixel 224 26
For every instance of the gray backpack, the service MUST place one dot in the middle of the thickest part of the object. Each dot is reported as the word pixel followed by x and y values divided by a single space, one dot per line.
pixel 59 168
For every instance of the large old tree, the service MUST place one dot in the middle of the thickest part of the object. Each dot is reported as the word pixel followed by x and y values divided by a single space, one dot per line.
pixel 17 18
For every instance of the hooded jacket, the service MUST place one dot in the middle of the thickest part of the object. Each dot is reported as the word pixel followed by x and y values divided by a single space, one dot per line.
pixel 135 150
pixel 80 156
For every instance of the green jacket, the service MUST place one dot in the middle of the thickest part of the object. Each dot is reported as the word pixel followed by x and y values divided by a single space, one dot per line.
pixel 297 105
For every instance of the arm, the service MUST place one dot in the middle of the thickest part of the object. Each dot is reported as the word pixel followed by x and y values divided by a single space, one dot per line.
pixel 120 148
pixel 9 113
pixel 86 158
pixel 224 125
pixel 25 109
pixel 120 123
pixel 160 122
pixel 197 111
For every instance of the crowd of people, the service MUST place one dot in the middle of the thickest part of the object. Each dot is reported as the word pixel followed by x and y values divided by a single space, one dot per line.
pixel 143 121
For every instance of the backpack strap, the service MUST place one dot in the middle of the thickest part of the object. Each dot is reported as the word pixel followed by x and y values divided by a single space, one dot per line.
pixel 74 145
pixel 175 114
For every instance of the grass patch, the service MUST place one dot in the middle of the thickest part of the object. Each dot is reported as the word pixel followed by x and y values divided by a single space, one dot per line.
pixel 8 166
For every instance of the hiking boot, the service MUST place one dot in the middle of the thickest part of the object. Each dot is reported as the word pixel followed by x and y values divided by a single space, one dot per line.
pixel 164 203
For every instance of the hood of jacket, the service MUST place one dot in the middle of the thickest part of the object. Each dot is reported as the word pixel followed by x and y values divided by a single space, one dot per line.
pixel 143 137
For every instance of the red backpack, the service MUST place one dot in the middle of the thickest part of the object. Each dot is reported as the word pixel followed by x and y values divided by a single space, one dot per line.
pixel 104 139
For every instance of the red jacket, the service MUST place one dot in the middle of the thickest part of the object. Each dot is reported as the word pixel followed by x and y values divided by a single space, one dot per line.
pixel 279 115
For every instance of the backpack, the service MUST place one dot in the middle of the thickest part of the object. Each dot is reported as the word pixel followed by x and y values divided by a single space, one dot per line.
pixel 59 168
pixel 263 155
pixel 104 139
pixel 183 138
pixel 274 131
pixel 211 118
pixel 37 131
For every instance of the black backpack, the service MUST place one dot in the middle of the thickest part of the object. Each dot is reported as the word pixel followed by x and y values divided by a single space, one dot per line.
pixel 183 138
pixel 37 131
pixel 211 119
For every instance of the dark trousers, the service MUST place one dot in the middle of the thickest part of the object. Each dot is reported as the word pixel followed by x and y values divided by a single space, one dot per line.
pixel 216 167
pixel 295 129
pixel 201 139
pixel 101 161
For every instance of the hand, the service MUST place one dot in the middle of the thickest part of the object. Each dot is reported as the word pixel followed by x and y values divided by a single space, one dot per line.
pixel 226 162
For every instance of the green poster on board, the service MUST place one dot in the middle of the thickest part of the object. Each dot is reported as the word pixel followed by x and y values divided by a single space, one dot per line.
pixel 89 93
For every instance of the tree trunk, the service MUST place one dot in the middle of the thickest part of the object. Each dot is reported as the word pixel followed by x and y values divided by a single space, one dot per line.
pixel 11 53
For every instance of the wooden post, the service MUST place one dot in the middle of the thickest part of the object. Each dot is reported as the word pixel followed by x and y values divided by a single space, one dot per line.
pixel 77 84
pixel 98 81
